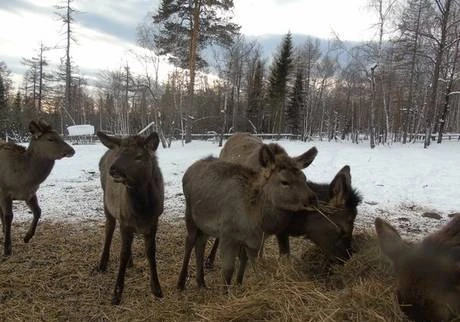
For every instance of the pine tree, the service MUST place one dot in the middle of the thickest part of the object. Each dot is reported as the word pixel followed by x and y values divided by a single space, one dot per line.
pixel 278 83
pixel 296 104
pixel 186 28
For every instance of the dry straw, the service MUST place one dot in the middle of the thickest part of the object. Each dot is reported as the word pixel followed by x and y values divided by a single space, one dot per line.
pixel 52 279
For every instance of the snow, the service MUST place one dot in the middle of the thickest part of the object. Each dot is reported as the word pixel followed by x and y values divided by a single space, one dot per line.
pixel 398 182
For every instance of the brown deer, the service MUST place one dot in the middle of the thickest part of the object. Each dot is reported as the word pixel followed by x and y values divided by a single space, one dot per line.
pixel 134 195
pixel 239 206
pixel 243 148
pixel 330 227
pixel 428 273
pixel 22 170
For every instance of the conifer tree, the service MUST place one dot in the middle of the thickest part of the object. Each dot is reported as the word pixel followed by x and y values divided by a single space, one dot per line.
pixel 186 27
pixel 278 83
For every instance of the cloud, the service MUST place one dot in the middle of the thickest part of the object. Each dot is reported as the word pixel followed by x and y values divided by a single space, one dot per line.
pixel 105 31
pixel 18 6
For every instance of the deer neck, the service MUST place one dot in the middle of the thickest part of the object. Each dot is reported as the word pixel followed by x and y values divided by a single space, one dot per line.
pixel 272 218
pixel 140 198
pixel 36 167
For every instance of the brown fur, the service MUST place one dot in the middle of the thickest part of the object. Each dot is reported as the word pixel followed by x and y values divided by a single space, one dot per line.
pixel 428 273
pixel 238 205
pixel 332 229
pixel 22 170
pixel 133 195
pixel 337 201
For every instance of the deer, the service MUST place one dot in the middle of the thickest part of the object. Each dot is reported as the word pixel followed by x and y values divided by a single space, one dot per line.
pixel 22 170
pixel 239 206
pixel 427 272
pixel 133 189
pixel 329 225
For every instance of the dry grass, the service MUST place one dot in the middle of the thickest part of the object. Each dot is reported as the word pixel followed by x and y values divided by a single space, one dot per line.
pixel 52 279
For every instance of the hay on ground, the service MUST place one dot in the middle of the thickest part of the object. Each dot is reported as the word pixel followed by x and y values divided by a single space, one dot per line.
pixel 53 279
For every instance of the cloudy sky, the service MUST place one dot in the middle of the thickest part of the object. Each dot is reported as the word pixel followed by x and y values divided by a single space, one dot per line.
pixel 106 29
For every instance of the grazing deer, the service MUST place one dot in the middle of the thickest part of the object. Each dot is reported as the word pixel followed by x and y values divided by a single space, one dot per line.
pixel 22 170
pixel 329 226
pixel 134 195
pixel 239 206
pixel 428 273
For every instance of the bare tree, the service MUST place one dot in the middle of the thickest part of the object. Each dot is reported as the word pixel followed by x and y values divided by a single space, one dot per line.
pixel 66 14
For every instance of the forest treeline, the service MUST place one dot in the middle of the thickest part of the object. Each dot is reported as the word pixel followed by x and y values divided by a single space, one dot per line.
pixel 399 87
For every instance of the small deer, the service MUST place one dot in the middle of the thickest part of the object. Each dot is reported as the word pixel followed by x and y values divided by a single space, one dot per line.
pixel 427 273
pixel 22 170
pixel 134 195
pixel 239 206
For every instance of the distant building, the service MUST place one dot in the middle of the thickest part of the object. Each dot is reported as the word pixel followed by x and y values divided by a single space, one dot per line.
pixel 81 134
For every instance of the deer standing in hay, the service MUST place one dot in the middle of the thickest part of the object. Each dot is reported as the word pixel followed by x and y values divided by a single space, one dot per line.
pixel 239 206
pixel 329 226
pixel 134 195
pixel 428 273
pixel 22 170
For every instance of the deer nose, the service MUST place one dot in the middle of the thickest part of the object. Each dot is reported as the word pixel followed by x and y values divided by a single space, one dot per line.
pixel 71 152
pixel 115 171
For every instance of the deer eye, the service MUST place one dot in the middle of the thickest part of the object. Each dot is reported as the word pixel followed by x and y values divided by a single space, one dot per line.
pixel 138 157
pixel 51 139
pixel 284 183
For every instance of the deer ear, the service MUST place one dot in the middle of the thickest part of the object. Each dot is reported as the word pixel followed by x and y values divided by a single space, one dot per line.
pixel 390 242
pixel 266 156
pixel 152 141
pixel 35 129
pixel 340 186
pixel 306 158
pixel 109 141
pixel 44 125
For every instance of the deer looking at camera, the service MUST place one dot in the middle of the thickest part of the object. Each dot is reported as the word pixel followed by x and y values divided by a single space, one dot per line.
pixel 133 195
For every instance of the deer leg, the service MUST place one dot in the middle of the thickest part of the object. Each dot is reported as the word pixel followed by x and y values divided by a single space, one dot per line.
pixel 110 223
pixel 3 221
pixel 7 209
pixel 125 253
pixel 32 203
pixel 200 245
pixel 229 251
pixel 243 256
pixel 189 243
pixel 212 255
pixel 150 249
pixel 283 243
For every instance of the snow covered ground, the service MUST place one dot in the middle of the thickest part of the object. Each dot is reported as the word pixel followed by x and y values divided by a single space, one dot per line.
pixel 398 182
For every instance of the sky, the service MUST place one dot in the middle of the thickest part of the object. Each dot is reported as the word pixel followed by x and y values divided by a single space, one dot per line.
pixel 106 29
